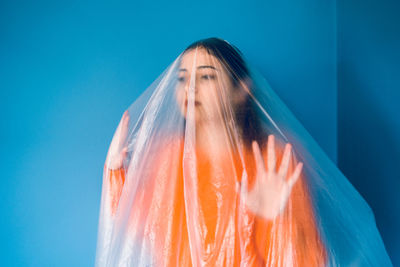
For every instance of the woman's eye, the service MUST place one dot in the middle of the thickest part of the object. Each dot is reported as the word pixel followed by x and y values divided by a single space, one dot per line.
pixel 181 79
pixel 208 77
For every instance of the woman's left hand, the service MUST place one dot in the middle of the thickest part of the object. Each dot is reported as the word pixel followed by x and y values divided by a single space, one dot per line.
pixel 271 191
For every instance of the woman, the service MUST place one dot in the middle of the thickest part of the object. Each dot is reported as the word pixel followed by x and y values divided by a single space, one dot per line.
pixel 206 183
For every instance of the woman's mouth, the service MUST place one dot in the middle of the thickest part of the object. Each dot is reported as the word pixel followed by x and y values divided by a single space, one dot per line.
pixel 196 103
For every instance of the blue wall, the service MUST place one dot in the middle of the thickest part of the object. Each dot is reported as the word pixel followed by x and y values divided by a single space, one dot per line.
pixel 69 70
pixel 369 110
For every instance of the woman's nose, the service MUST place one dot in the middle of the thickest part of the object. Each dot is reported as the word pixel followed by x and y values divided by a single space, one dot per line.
pixel 188 85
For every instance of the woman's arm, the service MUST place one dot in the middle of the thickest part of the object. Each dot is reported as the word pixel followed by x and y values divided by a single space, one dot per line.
pixel 284 226
pixel 114 166
pixel 292 237
pixel 116 180
pixel 310 248
pixel 273 182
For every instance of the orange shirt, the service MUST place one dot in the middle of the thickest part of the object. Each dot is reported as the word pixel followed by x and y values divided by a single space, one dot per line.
pixel 226 234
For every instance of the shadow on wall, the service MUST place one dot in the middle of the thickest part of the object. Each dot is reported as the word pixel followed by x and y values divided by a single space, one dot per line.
pixel 369 152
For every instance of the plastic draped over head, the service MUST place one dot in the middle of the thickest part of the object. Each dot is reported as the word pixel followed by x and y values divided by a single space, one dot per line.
pixel 209 168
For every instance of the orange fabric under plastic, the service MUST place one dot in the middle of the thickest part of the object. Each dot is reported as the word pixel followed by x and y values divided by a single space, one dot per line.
pixel 166 222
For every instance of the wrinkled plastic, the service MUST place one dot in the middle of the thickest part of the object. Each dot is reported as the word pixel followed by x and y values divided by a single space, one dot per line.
pixel 209 168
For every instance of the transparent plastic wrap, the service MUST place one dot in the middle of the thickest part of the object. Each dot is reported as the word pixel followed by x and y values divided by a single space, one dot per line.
pixel 209 168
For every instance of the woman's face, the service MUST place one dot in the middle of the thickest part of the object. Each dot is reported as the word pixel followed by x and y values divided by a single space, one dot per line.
pixel 211 84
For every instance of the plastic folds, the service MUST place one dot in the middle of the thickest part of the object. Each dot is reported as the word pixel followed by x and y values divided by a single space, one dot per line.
pixel 209 168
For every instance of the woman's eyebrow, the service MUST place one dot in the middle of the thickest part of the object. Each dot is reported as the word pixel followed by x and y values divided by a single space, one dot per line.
pixel 206 66
pixel 201 67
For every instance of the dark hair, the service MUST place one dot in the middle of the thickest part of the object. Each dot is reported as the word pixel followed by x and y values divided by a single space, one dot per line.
pixel 231 57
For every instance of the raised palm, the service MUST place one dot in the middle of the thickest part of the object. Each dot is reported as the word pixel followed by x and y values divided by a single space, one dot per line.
pixel 118 151
pixel 269 195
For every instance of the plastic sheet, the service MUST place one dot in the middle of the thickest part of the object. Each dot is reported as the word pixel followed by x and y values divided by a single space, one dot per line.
pixel 209 168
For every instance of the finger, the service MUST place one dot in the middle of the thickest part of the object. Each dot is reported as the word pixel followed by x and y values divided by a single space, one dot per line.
pixel 296 174
pixel 125 118
pixel 241 148
pixel 258 158
pixel 120 134
pixel 124 151
pixel 243 189
pixel 285 161
pixel 244 221
pixel 271 153
pixel 125 113
pixel 121 124
pixel 125 124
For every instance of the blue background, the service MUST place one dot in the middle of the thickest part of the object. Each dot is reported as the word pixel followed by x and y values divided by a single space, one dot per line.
pixel 68 71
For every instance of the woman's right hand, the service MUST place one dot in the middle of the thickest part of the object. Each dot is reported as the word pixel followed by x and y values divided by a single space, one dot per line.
pixel 118 149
